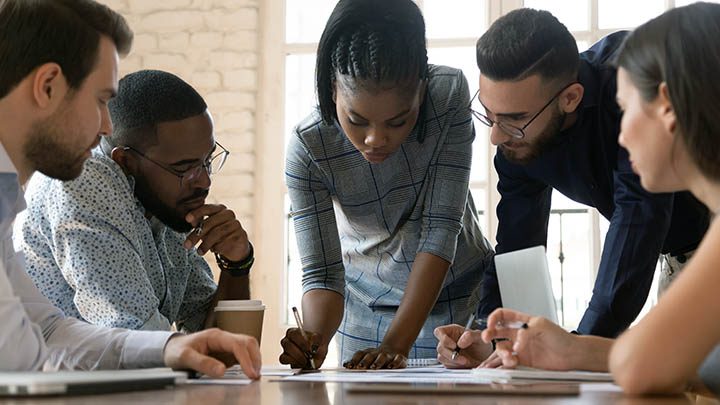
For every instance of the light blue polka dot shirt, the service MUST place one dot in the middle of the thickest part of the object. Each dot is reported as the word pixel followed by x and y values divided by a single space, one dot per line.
pixel 90 249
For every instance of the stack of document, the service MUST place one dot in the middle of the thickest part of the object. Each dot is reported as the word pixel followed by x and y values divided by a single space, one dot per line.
pixel 528 373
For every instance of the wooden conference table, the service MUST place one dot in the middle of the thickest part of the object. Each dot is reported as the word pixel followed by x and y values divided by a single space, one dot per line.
pixel 267 392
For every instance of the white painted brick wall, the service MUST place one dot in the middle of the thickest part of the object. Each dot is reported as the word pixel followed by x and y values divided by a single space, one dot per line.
pixel 213 45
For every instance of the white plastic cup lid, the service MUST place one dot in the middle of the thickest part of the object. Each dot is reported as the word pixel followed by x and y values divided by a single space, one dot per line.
pixel 239 303
pixel 240 308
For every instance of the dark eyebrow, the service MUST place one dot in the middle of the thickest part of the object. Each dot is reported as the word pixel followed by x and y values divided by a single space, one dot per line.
pixel 189 161
pixel 512 115
pixel 184 162
pixel 400 115
pixel 393 118
pixel 110 92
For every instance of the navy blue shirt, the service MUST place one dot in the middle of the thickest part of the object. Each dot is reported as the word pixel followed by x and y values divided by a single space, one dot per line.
pixel 587 165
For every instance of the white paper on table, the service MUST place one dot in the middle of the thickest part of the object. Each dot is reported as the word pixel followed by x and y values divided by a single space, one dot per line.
pixel 278 371
pixel 428 369
pixel 235 373
pixel 218 381
pixel 395 376
pixel 600 387
pixel 527 373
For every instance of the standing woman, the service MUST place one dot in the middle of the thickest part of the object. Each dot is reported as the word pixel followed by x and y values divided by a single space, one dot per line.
pixel 378 181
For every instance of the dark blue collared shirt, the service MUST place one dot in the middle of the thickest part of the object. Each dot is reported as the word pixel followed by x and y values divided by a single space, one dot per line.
pixel 587 165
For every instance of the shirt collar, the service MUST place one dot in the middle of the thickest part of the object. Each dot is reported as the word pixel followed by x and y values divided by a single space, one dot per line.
pixel 11 196
pixel 6 165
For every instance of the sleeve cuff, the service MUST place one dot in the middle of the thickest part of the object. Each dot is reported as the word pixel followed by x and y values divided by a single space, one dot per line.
pixel 144 349
pixel 332 287
pixel 441 240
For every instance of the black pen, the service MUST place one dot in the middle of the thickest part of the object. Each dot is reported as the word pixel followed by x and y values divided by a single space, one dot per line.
pixel 502 324
pixel 468 326
pixel 483 322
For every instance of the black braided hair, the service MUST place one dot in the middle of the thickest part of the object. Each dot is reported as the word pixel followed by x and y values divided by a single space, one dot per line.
pixel 372 42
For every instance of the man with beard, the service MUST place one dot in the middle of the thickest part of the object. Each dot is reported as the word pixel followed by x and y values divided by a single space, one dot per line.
pixel 58 70
pixel 554 118
pixel 113 247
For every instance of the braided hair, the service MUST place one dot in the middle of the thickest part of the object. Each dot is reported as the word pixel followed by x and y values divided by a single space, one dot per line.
pixel 371 42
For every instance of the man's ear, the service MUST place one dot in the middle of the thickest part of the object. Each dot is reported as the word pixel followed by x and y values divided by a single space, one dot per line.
pixel 571 97
pixel 123 158
pixel 665 110
pixel 49 85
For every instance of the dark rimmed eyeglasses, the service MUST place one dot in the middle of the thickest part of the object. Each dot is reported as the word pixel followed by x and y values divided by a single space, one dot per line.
pixel 510 129
pixel 213 165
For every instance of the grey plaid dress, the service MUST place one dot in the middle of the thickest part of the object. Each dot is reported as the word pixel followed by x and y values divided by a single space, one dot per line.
pixel 359 225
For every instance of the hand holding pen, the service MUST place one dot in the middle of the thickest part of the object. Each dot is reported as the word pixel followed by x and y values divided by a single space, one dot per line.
pixel 302 348
pixel 542 344
pixel 482 323
pixel 310 354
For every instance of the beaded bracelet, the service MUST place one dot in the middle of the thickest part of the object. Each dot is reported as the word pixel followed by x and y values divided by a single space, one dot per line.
pixel 237 269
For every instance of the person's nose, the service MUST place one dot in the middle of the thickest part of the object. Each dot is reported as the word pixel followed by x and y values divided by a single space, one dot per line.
pixel 376 138
pixel 106 125
pixel 498 136
pixel 202 179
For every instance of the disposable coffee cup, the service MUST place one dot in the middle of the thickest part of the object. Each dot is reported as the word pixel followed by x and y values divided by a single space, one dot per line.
pixel 241 316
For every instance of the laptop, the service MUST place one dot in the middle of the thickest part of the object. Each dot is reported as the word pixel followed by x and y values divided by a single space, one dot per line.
pixel 524 281
pixel 87 382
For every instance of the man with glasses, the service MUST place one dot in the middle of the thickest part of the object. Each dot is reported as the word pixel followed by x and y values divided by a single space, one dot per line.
pixel 115 247
pixel 553 116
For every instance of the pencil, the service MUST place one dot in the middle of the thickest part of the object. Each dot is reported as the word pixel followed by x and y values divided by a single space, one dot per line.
pixel 302 330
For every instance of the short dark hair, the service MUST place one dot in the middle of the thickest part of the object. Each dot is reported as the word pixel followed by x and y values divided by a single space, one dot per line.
pixel 680 48
pixel 382 41
pixel 526 42
pixel 145 99
pixel 66 32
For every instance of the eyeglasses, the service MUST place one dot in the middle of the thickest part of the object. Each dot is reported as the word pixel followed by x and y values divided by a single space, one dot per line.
pixel 213 165
pixel 510 129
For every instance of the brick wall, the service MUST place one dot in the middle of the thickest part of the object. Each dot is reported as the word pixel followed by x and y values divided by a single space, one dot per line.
pixel 213 45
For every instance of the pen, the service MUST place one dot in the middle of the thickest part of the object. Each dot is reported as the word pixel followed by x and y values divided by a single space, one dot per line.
pixel 483 322
pixel 300 326
pixel 468 326
pixel 502 324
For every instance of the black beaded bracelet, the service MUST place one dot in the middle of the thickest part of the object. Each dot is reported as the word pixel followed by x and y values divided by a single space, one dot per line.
pixel 237 269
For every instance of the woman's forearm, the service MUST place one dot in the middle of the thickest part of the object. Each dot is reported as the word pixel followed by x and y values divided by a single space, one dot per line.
pixel 322 312
pixel 421 292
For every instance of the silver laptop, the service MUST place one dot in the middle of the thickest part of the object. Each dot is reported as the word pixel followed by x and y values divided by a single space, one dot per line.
pixel 524 281
pixel 86 382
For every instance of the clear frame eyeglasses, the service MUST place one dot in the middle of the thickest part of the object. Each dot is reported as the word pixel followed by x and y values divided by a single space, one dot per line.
pixel 510 129
pixel 213 165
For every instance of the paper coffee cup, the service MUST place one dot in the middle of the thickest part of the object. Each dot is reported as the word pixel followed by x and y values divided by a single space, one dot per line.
pixel 241 316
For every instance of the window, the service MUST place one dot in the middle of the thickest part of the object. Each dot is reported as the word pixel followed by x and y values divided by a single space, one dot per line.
pixel 576 232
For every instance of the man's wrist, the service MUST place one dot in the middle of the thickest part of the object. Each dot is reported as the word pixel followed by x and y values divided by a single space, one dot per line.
pixel 238 268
